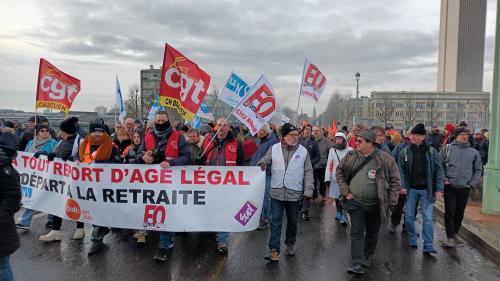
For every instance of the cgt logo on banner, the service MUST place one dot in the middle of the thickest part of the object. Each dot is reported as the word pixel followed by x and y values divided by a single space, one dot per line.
pixel 313 81
pixel 234 90
pixel 56 89
pixel 258 106
pixel 183 85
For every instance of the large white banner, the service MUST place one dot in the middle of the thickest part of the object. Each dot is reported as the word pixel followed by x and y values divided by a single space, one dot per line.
pixel 184 198
pixel 234 90
pixel 258 106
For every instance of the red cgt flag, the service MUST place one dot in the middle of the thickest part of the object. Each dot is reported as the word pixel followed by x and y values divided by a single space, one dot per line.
pixel 56 89
pixel 183 85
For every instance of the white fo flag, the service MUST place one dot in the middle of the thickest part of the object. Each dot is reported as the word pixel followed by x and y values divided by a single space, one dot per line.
pixel 313 81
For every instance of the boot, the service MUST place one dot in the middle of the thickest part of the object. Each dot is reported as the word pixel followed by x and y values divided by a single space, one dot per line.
pixel 53 235
pixel 79 234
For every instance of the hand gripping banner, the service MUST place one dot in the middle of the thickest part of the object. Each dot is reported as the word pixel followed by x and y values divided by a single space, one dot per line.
pixel 183 85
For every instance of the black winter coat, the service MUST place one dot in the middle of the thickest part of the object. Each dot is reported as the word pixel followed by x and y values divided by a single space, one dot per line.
pixel 10 202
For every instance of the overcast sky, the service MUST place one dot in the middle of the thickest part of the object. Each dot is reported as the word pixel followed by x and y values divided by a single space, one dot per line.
pixel 392 43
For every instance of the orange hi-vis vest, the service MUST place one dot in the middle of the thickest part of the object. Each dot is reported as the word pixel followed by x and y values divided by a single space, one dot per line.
pixel 172 149
pixel 230 151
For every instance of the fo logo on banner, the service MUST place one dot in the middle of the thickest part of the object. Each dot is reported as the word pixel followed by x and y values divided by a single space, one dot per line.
pixel 154 216
pixel 73 210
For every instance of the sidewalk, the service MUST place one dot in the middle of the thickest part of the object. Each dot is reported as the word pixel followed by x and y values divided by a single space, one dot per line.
pixel 480 229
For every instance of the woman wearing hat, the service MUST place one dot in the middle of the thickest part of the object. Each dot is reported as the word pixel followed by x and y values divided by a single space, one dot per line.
pixel 67 150
pixel 43 143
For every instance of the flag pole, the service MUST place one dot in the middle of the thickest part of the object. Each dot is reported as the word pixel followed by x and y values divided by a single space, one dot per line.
pixel 227 118
pixel 116 79
pixel 300 93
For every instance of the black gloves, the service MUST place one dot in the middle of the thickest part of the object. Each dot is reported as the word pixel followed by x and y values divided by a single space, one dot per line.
pixel 38 153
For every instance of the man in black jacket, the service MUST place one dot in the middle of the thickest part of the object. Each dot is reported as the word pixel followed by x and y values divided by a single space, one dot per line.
pixel 10 199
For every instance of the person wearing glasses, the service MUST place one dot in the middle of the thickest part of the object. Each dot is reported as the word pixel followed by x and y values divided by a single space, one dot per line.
pixel 43 143
pixel 222 150
pixel 369 184
pixel 292 179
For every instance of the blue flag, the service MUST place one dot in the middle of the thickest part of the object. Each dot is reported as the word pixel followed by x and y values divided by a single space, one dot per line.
pixel 119 101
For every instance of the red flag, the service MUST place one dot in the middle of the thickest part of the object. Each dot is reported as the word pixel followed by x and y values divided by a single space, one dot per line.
pixel 183 85
pixel 55 89
pixel 334 126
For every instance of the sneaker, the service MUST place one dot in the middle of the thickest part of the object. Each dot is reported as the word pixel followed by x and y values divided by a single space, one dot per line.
pixel 222 248
pixel 343 219
pixel 96 247
pixel 429 250
pixel 273 255
pixel 356 269
pixel 305 215
pixel 160 255
pixel 22 227
pixel 263 224
pixel 392 228
pixel 79 234
pixel 367 261
pixel 290 250
pixel 141 238
pixel 53 235
pixel 449 243
pixel 338 216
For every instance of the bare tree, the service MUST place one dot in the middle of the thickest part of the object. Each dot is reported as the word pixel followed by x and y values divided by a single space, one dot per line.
pixel 484 113
pixel 384 110
pixel 432 113
pixel 410 114
pixel 133 103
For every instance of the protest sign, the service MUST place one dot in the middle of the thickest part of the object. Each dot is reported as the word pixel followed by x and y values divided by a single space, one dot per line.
pixel 181 198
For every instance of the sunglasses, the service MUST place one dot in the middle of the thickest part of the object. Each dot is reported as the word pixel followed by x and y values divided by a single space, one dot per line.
pixel 44 131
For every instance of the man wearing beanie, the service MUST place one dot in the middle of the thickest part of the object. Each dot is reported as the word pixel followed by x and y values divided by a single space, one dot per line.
pixel 421 181
pixel 67 150
pixel 165 146
pixel 97 147
pixel 462 171
pixel 291 179
pixel 369 183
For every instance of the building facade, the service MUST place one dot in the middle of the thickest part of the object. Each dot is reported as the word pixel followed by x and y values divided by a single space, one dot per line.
pixel 461 45
pixel 150 88
pixel 404 109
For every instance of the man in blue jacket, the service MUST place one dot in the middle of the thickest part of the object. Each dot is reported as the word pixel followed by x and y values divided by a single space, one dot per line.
pixel 422 179
pixel 265 140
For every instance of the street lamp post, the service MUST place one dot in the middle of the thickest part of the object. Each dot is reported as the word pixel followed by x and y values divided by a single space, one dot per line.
pixel 357 75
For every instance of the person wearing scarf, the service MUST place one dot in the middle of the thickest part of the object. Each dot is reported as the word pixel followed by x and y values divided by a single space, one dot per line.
pixel 167 147
pixel 97 147
pixel 43 143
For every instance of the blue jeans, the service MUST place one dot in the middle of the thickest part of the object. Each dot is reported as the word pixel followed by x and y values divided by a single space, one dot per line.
pixel 413 196
pixel 5 270
pixel 166 240
pixel 27 217
pixel 222 237
pixel 266 212
pixel 292 211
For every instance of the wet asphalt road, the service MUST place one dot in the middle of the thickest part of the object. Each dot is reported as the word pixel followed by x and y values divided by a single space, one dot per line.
pixel 323 253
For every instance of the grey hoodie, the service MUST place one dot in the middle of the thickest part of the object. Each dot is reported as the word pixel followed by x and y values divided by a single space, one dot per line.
pixel 462 164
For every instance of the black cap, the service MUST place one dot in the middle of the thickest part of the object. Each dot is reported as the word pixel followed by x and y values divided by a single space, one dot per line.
pixel 69 125
pixel 287 128
pixel 418 129
pixel 460 130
